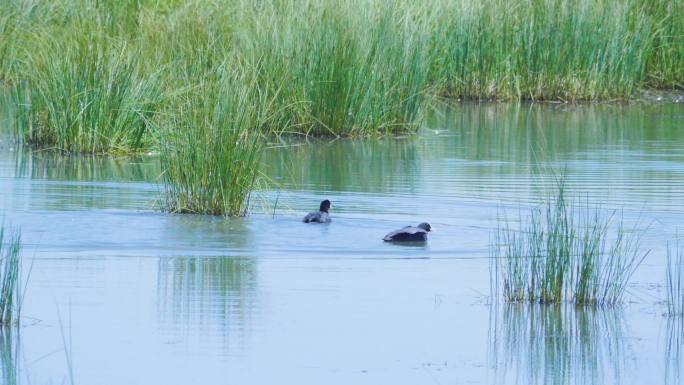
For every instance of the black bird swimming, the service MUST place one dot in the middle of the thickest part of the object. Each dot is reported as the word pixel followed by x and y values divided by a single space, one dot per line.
pixel 320 216
pixel 409 234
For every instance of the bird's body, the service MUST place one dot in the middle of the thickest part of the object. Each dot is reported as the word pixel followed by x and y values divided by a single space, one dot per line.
pixel 320 216
pixel 317 217
pixel 409 234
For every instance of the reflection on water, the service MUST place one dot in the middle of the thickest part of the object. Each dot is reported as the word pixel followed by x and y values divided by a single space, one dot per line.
pixel 48 180
pixel 674 350
pixel 207 297
pixel 9 357
pixel 624 155
pixel 387 164
pixel 88 168
pixel 212 296
pixel 537 344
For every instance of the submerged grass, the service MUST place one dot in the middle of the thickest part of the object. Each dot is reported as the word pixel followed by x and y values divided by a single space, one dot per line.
pixel 674 279
pixel 564 252
pixel 10 285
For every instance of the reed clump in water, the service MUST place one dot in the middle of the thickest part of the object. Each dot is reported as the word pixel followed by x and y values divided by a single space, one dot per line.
pixel 674 279
pixel 211 146
pixel 10 285
pixel 564 253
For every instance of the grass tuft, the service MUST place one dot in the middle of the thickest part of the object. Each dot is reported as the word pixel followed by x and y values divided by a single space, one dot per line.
pixel 565 252
pixel 211 146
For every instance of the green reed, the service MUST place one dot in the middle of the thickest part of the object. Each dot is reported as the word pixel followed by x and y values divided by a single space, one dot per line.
pixel 564 252
pixel 91 74
pixel 211 146
pixel 10 285
pixel 674 279
pixel 83 93
pixel 338 70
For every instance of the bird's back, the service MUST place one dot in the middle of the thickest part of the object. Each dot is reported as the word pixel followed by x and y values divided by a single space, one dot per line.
pixel 317 216
pixel 407 234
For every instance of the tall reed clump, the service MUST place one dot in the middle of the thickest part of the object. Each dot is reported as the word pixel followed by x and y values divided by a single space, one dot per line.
pixel 211 145
pixel 82 92
pixel 10 285
pixel 665 69
pixel 338 71
pixel 674 279
pixel 564 252
pixel 541 49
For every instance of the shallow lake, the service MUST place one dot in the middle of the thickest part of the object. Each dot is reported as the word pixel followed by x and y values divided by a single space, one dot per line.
pixel 120 293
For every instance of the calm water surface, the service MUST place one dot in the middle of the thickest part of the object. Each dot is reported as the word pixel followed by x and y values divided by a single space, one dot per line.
pixel 130 295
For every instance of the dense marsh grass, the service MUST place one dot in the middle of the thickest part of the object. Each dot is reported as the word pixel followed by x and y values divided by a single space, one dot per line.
pixel 211 147
pixel 106 76
pixel 674 279
pixel 564 251
pixel 664 68
pixel 543 49
pixel 84 94
pixel 338 70
pixel 10 285
pixel 340 67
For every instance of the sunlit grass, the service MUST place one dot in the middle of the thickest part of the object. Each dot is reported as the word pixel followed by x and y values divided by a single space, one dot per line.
pixel 565 252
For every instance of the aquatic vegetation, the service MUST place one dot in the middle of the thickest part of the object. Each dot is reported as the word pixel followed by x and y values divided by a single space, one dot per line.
pixel 339 71
pixel 674 279
pixel 211 146
pixel 546 49
pixel 84 94
pixel 90 75
pixel 10 285
pixel 564 252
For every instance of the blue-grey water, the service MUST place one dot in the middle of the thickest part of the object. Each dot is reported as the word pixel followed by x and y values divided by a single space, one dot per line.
pixel 121 293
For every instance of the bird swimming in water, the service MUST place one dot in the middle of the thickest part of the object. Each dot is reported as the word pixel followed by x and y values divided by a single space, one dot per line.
pixel 320 216
pixel 409 234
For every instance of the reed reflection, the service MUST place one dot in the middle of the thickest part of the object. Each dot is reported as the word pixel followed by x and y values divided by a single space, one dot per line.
pixel 53 165
pixel 537 344
pixel 207 301
pixel 674 350
pixel 66 182
pixel 9 355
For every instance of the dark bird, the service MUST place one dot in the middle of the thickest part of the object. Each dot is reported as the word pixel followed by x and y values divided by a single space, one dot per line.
pixel 409 234
pixel 320 216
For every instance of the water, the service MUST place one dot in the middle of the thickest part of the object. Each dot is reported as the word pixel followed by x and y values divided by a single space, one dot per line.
pixel 120 293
